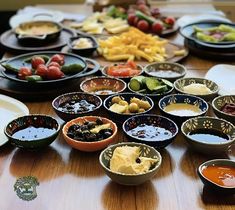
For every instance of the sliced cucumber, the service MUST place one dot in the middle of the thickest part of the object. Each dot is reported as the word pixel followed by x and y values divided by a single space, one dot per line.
pixel 151 83
pixel 142 16
pixel 10 68
pixel 160 89
pixel 168 83
pixel 136 83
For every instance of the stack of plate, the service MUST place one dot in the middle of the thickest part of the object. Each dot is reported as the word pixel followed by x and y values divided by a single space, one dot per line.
pixel 219 50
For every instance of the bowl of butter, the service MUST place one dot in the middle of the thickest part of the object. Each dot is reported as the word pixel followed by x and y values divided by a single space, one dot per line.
pixel 130 163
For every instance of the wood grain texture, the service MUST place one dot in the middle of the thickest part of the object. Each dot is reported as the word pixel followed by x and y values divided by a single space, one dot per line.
pixel 70 179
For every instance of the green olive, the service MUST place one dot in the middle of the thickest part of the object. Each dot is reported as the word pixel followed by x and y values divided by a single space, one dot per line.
pixel 123 103
pixel 135 100
pixel 144 104
pixel 133 107
pixel 116 99
pixel 141 110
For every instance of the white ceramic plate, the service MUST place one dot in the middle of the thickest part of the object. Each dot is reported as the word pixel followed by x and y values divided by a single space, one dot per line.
pixel 224 76
pixel 10 109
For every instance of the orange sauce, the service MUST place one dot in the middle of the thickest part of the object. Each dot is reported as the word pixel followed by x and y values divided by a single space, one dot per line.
pixel 221 175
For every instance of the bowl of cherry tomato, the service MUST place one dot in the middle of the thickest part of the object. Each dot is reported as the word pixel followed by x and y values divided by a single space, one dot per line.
pixel 123 70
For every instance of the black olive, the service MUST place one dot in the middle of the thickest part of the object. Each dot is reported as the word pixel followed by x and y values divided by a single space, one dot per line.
pixel 99 121
pixel 107 134
pixel 138 160
pixel 91 125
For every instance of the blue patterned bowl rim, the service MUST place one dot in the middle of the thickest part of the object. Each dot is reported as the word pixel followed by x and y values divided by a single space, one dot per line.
pixel 131 144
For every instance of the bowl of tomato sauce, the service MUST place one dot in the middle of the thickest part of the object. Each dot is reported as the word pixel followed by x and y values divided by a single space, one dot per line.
pixel 123 70
pixel 218 175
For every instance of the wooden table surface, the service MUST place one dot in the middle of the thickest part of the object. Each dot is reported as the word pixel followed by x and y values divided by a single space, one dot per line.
pixel 70 179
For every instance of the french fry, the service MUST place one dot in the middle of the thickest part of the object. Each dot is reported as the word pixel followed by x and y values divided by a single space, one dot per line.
pixel 133 44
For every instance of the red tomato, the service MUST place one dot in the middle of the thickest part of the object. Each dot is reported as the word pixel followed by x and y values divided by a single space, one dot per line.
pixel 131 18
pixel 54 73
pixel 24 72
pixel 58 58
pixel 36 61
pixel 157 27
pixel 170 21
pixel 134 72
pixel 143 25
pixel 132 64
pixel 136 20
pixel 54 64
pixel 42 70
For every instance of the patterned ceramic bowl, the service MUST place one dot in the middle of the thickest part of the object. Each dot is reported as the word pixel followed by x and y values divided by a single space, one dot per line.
pixel 208 182
pixel 211 128
pixel 45 131
pixel 169 71
pixel 103 86
pixel 214 88
pixel 89 146
pixel 75 96
pixel 128 179
pixel 178 117
pixel 121 117
pixel 219 102
pixel 151 120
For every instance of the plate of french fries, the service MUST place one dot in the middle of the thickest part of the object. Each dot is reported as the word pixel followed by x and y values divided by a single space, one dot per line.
pixel 138 46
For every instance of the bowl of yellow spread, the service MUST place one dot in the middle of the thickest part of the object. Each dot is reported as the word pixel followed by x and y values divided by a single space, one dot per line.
pixel 130 163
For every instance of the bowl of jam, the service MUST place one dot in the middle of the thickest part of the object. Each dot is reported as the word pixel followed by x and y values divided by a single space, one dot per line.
pixel 224 107
pixel 76 104
pixel 218 175
pixel 153 130
pixel 32 131
pixel 208 135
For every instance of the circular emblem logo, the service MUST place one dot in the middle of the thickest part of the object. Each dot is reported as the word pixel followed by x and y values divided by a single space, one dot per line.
pixel 25 187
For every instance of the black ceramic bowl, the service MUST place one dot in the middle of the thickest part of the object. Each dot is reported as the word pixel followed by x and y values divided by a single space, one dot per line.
pixel 87 51
pixel 37 121
pixel 155 120
pixel 75 96
pixel 120 118
pixel 212 185
pixel 185 99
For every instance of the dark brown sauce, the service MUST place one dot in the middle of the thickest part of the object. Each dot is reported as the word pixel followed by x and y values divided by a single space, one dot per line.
pixel 33 133
pixel 150 132
pixel 208 136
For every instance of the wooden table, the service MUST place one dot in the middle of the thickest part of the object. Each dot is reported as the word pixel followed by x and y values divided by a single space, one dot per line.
pixel 70 179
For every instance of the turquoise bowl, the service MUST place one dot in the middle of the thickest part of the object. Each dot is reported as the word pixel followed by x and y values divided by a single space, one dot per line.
pixel 130 179
pixel 26 121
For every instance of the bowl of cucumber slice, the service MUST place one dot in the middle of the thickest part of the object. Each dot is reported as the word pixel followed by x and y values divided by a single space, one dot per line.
pixel 150 86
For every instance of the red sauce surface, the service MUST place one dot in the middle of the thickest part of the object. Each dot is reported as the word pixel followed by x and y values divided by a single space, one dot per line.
pixel 229 108
pixel 221 175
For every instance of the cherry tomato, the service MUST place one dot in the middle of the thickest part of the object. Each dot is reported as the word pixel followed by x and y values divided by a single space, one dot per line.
pixel 131 18
pixel 36 61
pixel 157 27
pixel 132 64
pixel 24 72
pixel 54 64
pixel 42 70
pixel 54 73
pixel 170 21
pixel 143 25
pixel 58 58
pixel 135 22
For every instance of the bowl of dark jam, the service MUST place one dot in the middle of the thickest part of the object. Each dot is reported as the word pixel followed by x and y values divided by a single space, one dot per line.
pixel 224 107
pixel 69 106
pixel 90 133
pixel 32 131
pixel 209 135
pixel 153 130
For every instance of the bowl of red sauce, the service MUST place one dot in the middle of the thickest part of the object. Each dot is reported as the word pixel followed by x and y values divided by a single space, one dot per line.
pixel 123 70
pixel 224 107
pixel 218 175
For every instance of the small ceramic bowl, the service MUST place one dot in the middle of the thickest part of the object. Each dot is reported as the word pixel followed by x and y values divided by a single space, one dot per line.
pixel 89 146
pixel 208 125
pixel 154 96
pixel 165 70
pixel 75 96
pixel 154 120
pixel 181 83
pixel 182 99
pixel 120 118
pixel 83 51
pixel 212 185
pixel 126 78
pixel 128 179
pixel 28 121
pixel 103 86
pixel 219 102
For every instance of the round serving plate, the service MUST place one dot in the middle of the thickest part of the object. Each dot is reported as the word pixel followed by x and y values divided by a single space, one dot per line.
pixel 10 42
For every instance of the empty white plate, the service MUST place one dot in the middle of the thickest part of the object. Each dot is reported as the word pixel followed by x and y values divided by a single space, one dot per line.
pixel 10 109
pixel 224 76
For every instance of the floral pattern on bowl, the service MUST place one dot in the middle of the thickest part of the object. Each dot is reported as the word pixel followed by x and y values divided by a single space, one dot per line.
pixel 181 83
pixel 106 84
pixel 219 102
pixel 209 123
